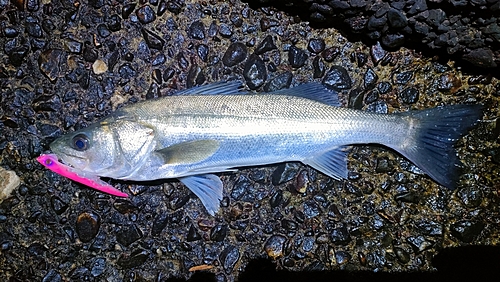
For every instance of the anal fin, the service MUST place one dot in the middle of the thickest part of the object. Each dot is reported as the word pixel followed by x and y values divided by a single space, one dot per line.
pixel 207 187
pixel 332 163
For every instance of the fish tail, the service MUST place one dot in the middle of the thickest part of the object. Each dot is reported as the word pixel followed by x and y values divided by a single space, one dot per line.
pixel 436 130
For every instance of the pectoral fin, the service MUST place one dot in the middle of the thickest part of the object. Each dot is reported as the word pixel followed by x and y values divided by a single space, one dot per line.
pixel 332 163
pixel 189 152
pixel 207 187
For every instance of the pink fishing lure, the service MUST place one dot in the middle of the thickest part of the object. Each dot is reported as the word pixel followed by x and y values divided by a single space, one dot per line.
pixel 51 162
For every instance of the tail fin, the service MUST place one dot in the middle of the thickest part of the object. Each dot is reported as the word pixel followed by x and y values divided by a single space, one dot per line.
pixel 436 131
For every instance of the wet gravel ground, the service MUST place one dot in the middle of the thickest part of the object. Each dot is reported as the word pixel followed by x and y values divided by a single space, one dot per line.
pixel 66 64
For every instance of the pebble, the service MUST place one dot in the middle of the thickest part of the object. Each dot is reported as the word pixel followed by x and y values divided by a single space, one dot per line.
pixel 284 173
pixel 311 209
pixel 99 67
pixel 98 266
pixel 316 45
pixel 409 95
pixel 255 72
pixel 229 257
pixel 134 259
pixel 128 235
pixel 466 230
pixel 370 79
pixel 50 62
pixel 471 196
pixel 87 226
pixel 340 235
pixel 384 87
pixel 266 45
pixel 319 67
pixel 145 14
pixel 202 51
pixel 297 57
pixel 58 205
pixel 275 246
pixel 52 276
pixel 402 77
pixel 282 81
pixel 9 181
pixel 219 232
pixel 193 234
pixel 235 54
pixel 419 243
pixel 402 255
pixel 153 40
pixel 330 54
pixel 127 10
pixel 377 53
pixel 197 30
pixel 337 78
pixel 342 257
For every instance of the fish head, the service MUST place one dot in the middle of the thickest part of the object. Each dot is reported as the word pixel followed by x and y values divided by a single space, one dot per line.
pixel 90 149
pixel 115 147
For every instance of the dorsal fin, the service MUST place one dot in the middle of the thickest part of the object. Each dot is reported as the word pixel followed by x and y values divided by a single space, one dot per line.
pixel 313 91
pixel 217 88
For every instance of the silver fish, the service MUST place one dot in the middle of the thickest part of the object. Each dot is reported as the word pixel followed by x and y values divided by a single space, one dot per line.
pixel 217 128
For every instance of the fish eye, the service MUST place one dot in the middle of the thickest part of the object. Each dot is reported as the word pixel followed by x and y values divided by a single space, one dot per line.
pixel 80 142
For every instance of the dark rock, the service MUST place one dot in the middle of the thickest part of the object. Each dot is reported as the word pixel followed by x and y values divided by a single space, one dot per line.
pixel 471 196
pixel 128 235
pixel 402 255
pixel 409 95
pixel 266 45
pixel 371 97
pixel 316 45
pixel 255 72
pixel 225 30
pixel 482 57
pixel 114 23
pixel 284 173
pixel 87 226
pixel 311 209
pixel 275 246
pixel 193 234
pixel 229 257
pixel 218 233
pixel 379 107
pixel 340 235
pixel 103 31
pixel 145 14
pixel 127 10
pixel 126 71
pixel 135 259
pixel 266 23
pixel 370 79
pixel 235 54
pixel 34 29
pixel 281 81
pixel 50 62
pixel 52 276
pixel 356 98
pixel 466 231
pixel 342 257
pixel 384 87
pixel 197 30
pixel 124 206
pixel 175 6
pixel 337 78
pixel 377 53
pixel 152 40
pixel 159 223
pixel 403 77
pixel 330 54
pixel 98 266
pixel 58 205
pixel 396 19
pixel 393 40
pixel 89 53
pixel 202 51
pixel 419 243
pixel 297 57
pixel 319 67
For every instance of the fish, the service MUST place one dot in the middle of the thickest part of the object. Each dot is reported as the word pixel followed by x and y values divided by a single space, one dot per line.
pixel 220 127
